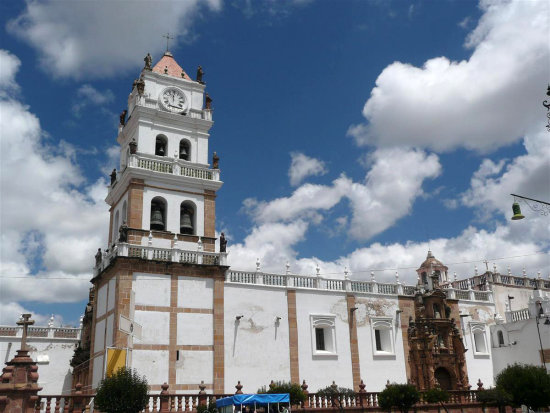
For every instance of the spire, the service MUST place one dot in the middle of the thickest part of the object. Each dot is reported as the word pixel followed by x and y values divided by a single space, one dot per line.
pixel 167 65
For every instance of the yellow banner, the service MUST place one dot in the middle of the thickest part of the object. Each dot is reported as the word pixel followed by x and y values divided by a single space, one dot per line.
pixel 116 359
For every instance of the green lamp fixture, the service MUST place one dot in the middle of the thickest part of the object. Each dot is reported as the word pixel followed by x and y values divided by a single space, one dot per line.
pixel 516 209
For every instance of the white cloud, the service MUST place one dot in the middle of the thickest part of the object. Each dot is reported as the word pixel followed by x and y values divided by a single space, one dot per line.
pixel 9 65
pixel 487 101
pixel 391 185
pixel 303 166
pixel 80 39
pixel 52 220
pixel 10 312
pixel 88 95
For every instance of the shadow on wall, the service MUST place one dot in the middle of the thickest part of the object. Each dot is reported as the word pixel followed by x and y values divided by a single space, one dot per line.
pixel 67 382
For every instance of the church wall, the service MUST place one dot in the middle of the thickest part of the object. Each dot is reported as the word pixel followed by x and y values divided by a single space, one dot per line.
pixel 256 346
pixel 320 371
pixel 377 369
pixel 97 364
pixel 111 294
pixel 479 364
pixel 52 356
pixel 118 208
pixel 195 292
pixel 151 289
pixel 501 292
pixel 151 363
pixel 101 300
pixel 194 367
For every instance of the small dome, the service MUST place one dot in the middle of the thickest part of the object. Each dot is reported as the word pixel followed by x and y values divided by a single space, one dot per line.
pixel 167 65
pixel 431 261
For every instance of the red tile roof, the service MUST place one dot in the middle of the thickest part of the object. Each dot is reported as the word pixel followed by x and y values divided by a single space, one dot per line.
pixel 168 66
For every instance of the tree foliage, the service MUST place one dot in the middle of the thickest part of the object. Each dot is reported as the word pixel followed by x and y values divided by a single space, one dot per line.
pixel 337 395
pixel 436 395
pixel 400 396
pixel 297 396
pixel 210 408
pixel 526 384
pixel 494 397
pixel 123 392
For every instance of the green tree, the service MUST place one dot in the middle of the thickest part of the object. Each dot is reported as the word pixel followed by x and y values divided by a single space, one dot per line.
pixel 210 408
pixel 337 395
pixel 437 395
pixel 123 392
pixel 494 397
pixel 297 396
pixel 526 384
pixel 401 396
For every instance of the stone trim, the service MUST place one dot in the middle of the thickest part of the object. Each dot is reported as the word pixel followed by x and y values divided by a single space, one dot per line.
pixel 174 309
pixel 546 353
pixel 218 329
pixel 353 343
pixel 135 203
pixel 209 214
pixel 208 386
pixel 293 337
pixel 107 314
pixel 173 338
pixel 406 305
pixel 180 191
pixel 173 348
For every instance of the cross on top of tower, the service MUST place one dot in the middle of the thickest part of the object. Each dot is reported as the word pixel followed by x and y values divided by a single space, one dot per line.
pixel 168 38
pixel 25 321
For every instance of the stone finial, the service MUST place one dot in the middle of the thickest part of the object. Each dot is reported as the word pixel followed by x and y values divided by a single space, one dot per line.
pixel 397 277
pixel 524 272
pixel 334 385
pixel 150 238
pixel 387 383
pixel 202 387
pixel 509 271
pixel 271 385
pixel 81 321
pixel 287 266
pixel 258 264
pixel 479 384
pixel 455 277
pixel 164 388
pixel 494 268
pixel 539 276
pixel 304 386
pixel 199 245
pixel 346 273
pixel 362 386
pixel 239 388
pixel 372 278
pixel 25 321
pixel 317 269
pixel 50 322
pixel 475 270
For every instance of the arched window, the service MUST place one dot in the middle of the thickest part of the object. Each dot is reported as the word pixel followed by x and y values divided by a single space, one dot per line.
pixel 124 213
pixel 185 150
pixel 424 278
pixel 478 336
pixel 437 311
pixel 158 214
pixel 115 228
pixel 500 336
pixel 187 218
pixel 161 145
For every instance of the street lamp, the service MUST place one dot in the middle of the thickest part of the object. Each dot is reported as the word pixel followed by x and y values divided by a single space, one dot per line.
pixel 541 207
pixel 538 317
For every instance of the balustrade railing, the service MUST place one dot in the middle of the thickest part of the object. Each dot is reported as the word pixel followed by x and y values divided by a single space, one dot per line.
pixel 122 249
pixel 519 315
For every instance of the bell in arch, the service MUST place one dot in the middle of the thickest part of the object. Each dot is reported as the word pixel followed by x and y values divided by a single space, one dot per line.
pixel 156 219
pixel 183 152
pixel 517 212
pixel 186 224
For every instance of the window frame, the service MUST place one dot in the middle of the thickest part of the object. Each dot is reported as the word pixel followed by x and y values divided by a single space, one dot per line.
pixel 479 328
pixel 384 326
pixel 326 322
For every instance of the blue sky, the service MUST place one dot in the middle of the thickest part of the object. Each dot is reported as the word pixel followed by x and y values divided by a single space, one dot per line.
pixel 351 133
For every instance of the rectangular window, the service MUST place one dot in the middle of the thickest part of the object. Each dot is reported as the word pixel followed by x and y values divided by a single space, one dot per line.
pixel 320 339
pixel 378 342
pixel 382 336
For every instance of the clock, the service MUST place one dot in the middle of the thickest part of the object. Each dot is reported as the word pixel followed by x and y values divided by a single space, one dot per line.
pixel 173 100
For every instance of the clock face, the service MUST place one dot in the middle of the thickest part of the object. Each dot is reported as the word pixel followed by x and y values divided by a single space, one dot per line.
pixel 173 100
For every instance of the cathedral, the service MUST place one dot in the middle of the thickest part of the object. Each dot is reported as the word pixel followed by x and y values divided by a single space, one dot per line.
pixel 164 301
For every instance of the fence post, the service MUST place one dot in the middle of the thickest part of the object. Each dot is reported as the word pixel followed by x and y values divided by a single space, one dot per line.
pixel 202 394
pixel 239 388
pixel 77 402
pixel 304 390
pixel 362 393
pixel 164 399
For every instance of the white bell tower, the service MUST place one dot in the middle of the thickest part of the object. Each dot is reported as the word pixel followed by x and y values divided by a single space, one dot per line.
pixel 165 190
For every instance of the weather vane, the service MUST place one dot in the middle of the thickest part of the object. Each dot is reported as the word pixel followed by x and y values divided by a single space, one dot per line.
pixel 168 38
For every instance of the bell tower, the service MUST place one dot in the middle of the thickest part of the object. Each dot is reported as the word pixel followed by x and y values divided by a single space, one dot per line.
pixel 158 285
pixel 165 191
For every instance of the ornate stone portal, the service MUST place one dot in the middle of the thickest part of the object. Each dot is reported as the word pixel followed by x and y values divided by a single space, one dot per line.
pixel 436 350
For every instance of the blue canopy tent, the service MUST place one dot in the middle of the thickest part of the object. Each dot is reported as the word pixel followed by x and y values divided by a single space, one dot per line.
pixel 227 404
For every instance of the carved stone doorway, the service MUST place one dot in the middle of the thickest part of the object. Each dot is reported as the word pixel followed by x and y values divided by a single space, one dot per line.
pixel 443 378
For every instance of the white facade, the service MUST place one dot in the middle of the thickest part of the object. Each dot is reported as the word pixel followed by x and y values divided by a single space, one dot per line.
pixel 50 347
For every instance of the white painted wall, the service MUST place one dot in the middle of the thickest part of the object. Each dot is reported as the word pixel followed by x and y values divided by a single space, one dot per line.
pixel 101 301
pixel 155 327
pixel 54 371
pixel 98 365
pixel 256 347
pixel 338 368
pixel 480 366
pixel 111 294
pixel 195 292
pixel 375 370
pixel 194 366
pixel 99 337
pixel 152 364
pixel 109 330
pixel 151 289
pixel 195 329
pixel 501 292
